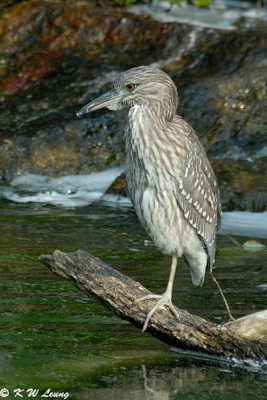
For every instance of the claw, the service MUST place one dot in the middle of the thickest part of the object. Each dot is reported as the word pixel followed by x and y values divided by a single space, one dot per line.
pixel 163 300
pixel 148 297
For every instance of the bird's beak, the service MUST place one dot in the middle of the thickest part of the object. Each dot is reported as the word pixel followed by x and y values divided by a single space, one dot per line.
pixel 110 100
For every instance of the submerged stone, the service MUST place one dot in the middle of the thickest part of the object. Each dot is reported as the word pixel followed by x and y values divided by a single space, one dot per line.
pixel 253 245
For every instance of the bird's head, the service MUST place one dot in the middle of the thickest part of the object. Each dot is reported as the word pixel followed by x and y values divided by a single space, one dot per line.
pixel 144 86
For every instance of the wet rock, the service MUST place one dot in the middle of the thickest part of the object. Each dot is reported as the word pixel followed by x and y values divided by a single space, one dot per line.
pixel 61 56
pixel 76 40
pixel 242 184
pixel 55 56
pixel 224 94
pixel 118 187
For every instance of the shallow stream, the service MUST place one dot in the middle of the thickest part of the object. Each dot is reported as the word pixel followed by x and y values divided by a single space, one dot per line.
pixel 54 337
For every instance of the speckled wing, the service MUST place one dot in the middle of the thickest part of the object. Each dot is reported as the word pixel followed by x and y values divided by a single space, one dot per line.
pixel 197 193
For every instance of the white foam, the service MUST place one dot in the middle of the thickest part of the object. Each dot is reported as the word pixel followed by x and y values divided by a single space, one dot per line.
pixel 67 191
pixel 117 201
pixel 244 223
pixel 78 199
pixel 98 181
pixel 222 14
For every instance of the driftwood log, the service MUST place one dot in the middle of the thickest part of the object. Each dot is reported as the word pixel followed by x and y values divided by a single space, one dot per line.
pixel 118 292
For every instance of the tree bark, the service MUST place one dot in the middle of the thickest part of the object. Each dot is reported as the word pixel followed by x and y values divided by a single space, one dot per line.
pixel 118 292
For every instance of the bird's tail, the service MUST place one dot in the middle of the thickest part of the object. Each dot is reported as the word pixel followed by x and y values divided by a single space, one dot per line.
pixel 197 270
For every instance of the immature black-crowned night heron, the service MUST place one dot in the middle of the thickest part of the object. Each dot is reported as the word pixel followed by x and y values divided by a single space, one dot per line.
pixel 168 176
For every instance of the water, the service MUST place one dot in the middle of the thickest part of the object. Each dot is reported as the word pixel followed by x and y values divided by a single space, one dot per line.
pixel 53 336
pixel 221 14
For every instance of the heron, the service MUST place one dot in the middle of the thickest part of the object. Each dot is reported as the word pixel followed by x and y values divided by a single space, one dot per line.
pixel 169 178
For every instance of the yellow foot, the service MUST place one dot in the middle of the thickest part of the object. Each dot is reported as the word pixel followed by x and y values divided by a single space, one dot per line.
pixel 164 300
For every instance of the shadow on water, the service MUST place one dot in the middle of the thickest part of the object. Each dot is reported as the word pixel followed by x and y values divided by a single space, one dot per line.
pixel 53 336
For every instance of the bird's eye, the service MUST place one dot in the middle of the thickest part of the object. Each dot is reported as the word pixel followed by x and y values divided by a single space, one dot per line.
pixel 130 87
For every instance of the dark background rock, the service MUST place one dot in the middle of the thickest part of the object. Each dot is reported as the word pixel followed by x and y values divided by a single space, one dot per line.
pixel 224 94
pixel 57 56
pixel 62 56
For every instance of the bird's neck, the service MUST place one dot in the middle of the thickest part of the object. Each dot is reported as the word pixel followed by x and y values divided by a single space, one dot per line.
pixel 146 125
pixel 145 137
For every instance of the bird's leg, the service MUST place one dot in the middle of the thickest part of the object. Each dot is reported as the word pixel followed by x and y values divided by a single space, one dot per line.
pixel 165 298
pixel 231 318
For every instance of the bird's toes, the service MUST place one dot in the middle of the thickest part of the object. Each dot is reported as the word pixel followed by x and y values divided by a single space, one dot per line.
pixel 163 301
pixel 173 310
pixel 148 297
pixel 149 315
